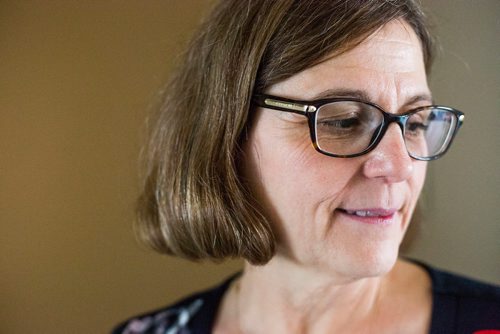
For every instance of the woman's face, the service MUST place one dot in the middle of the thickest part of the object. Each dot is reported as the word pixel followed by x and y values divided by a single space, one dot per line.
pixel 344 216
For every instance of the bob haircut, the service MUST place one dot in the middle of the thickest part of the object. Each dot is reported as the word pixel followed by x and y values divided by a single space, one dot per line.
pixel 194 202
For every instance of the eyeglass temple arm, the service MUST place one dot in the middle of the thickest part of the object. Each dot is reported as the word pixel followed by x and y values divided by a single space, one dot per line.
pixel 271 102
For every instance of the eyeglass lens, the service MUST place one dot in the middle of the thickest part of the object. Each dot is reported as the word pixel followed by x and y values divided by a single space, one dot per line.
pixel 350 127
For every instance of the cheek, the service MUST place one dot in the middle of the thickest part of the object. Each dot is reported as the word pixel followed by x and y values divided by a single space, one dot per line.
pixel 298 187
pixel 278 175
pixel 297 177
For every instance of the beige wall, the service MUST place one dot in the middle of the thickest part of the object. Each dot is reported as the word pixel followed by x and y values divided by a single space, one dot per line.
pixel 76 79
pixel 462 196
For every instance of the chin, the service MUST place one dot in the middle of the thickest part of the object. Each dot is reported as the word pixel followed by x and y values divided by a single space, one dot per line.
pixel 366 262
pixel 379 264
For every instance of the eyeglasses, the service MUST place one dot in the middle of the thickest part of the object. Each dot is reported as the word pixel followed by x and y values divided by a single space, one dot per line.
pixel 349 127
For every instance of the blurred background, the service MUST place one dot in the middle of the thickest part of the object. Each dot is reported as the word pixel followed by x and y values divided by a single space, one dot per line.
pixel 77 79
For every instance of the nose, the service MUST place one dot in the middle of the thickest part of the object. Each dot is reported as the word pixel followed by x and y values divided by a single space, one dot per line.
pixel 390 159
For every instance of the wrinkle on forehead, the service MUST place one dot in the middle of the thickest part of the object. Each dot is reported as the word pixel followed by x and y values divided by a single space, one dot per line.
pixel 388 67
pixel 395 41
pixel 401 31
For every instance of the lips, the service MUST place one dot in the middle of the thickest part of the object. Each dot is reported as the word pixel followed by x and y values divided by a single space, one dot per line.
pixel 378 216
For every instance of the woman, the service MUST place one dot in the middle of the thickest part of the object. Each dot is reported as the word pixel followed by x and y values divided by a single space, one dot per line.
pixel 296 135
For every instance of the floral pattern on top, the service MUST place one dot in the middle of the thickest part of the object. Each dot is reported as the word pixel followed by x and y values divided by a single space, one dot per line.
pixel 171 321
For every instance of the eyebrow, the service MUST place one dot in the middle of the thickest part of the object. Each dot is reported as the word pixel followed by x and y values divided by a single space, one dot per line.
pixel 342 92
pixel 363 95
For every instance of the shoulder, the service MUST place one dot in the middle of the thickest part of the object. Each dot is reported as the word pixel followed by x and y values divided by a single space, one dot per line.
pixel 193 314
pixel 462 304
pixel 447 283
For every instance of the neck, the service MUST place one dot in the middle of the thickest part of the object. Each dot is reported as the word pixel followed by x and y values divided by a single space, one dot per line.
pixel 303 300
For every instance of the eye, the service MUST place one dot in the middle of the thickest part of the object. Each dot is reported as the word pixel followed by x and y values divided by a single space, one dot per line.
pixel 347 120
pixel 340 124
pixel 418 124
pixel 347 127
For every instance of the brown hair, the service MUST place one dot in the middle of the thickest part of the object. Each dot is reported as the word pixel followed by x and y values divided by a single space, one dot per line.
pixel 194 204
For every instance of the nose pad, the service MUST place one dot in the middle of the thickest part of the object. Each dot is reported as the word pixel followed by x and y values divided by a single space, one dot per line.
pixel 390 159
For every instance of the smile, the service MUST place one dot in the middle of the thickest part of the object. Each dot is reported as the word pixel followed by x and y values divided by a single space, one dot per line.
pixel 374 216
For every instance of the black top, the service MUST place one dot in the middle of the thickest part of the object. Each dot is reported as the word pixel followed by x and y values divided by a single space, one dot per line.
pixel 460 305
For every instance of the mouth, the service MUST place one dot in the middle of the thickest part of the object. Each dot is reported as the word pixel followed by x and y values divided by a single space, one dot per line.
pixel 375 216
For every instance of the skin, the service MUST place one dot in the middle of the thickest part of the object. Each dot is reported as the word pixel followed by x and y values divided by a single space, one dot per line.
pixel 333 273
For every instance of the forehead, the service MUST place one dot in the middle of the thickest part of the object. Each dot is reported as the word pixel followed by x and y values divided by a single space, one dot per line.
pixel 390 59
pixel 393 48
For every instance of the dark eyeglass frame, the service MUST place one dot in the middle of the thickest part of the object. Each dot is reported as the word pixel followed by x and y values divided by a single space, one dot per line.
pixel 310 108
